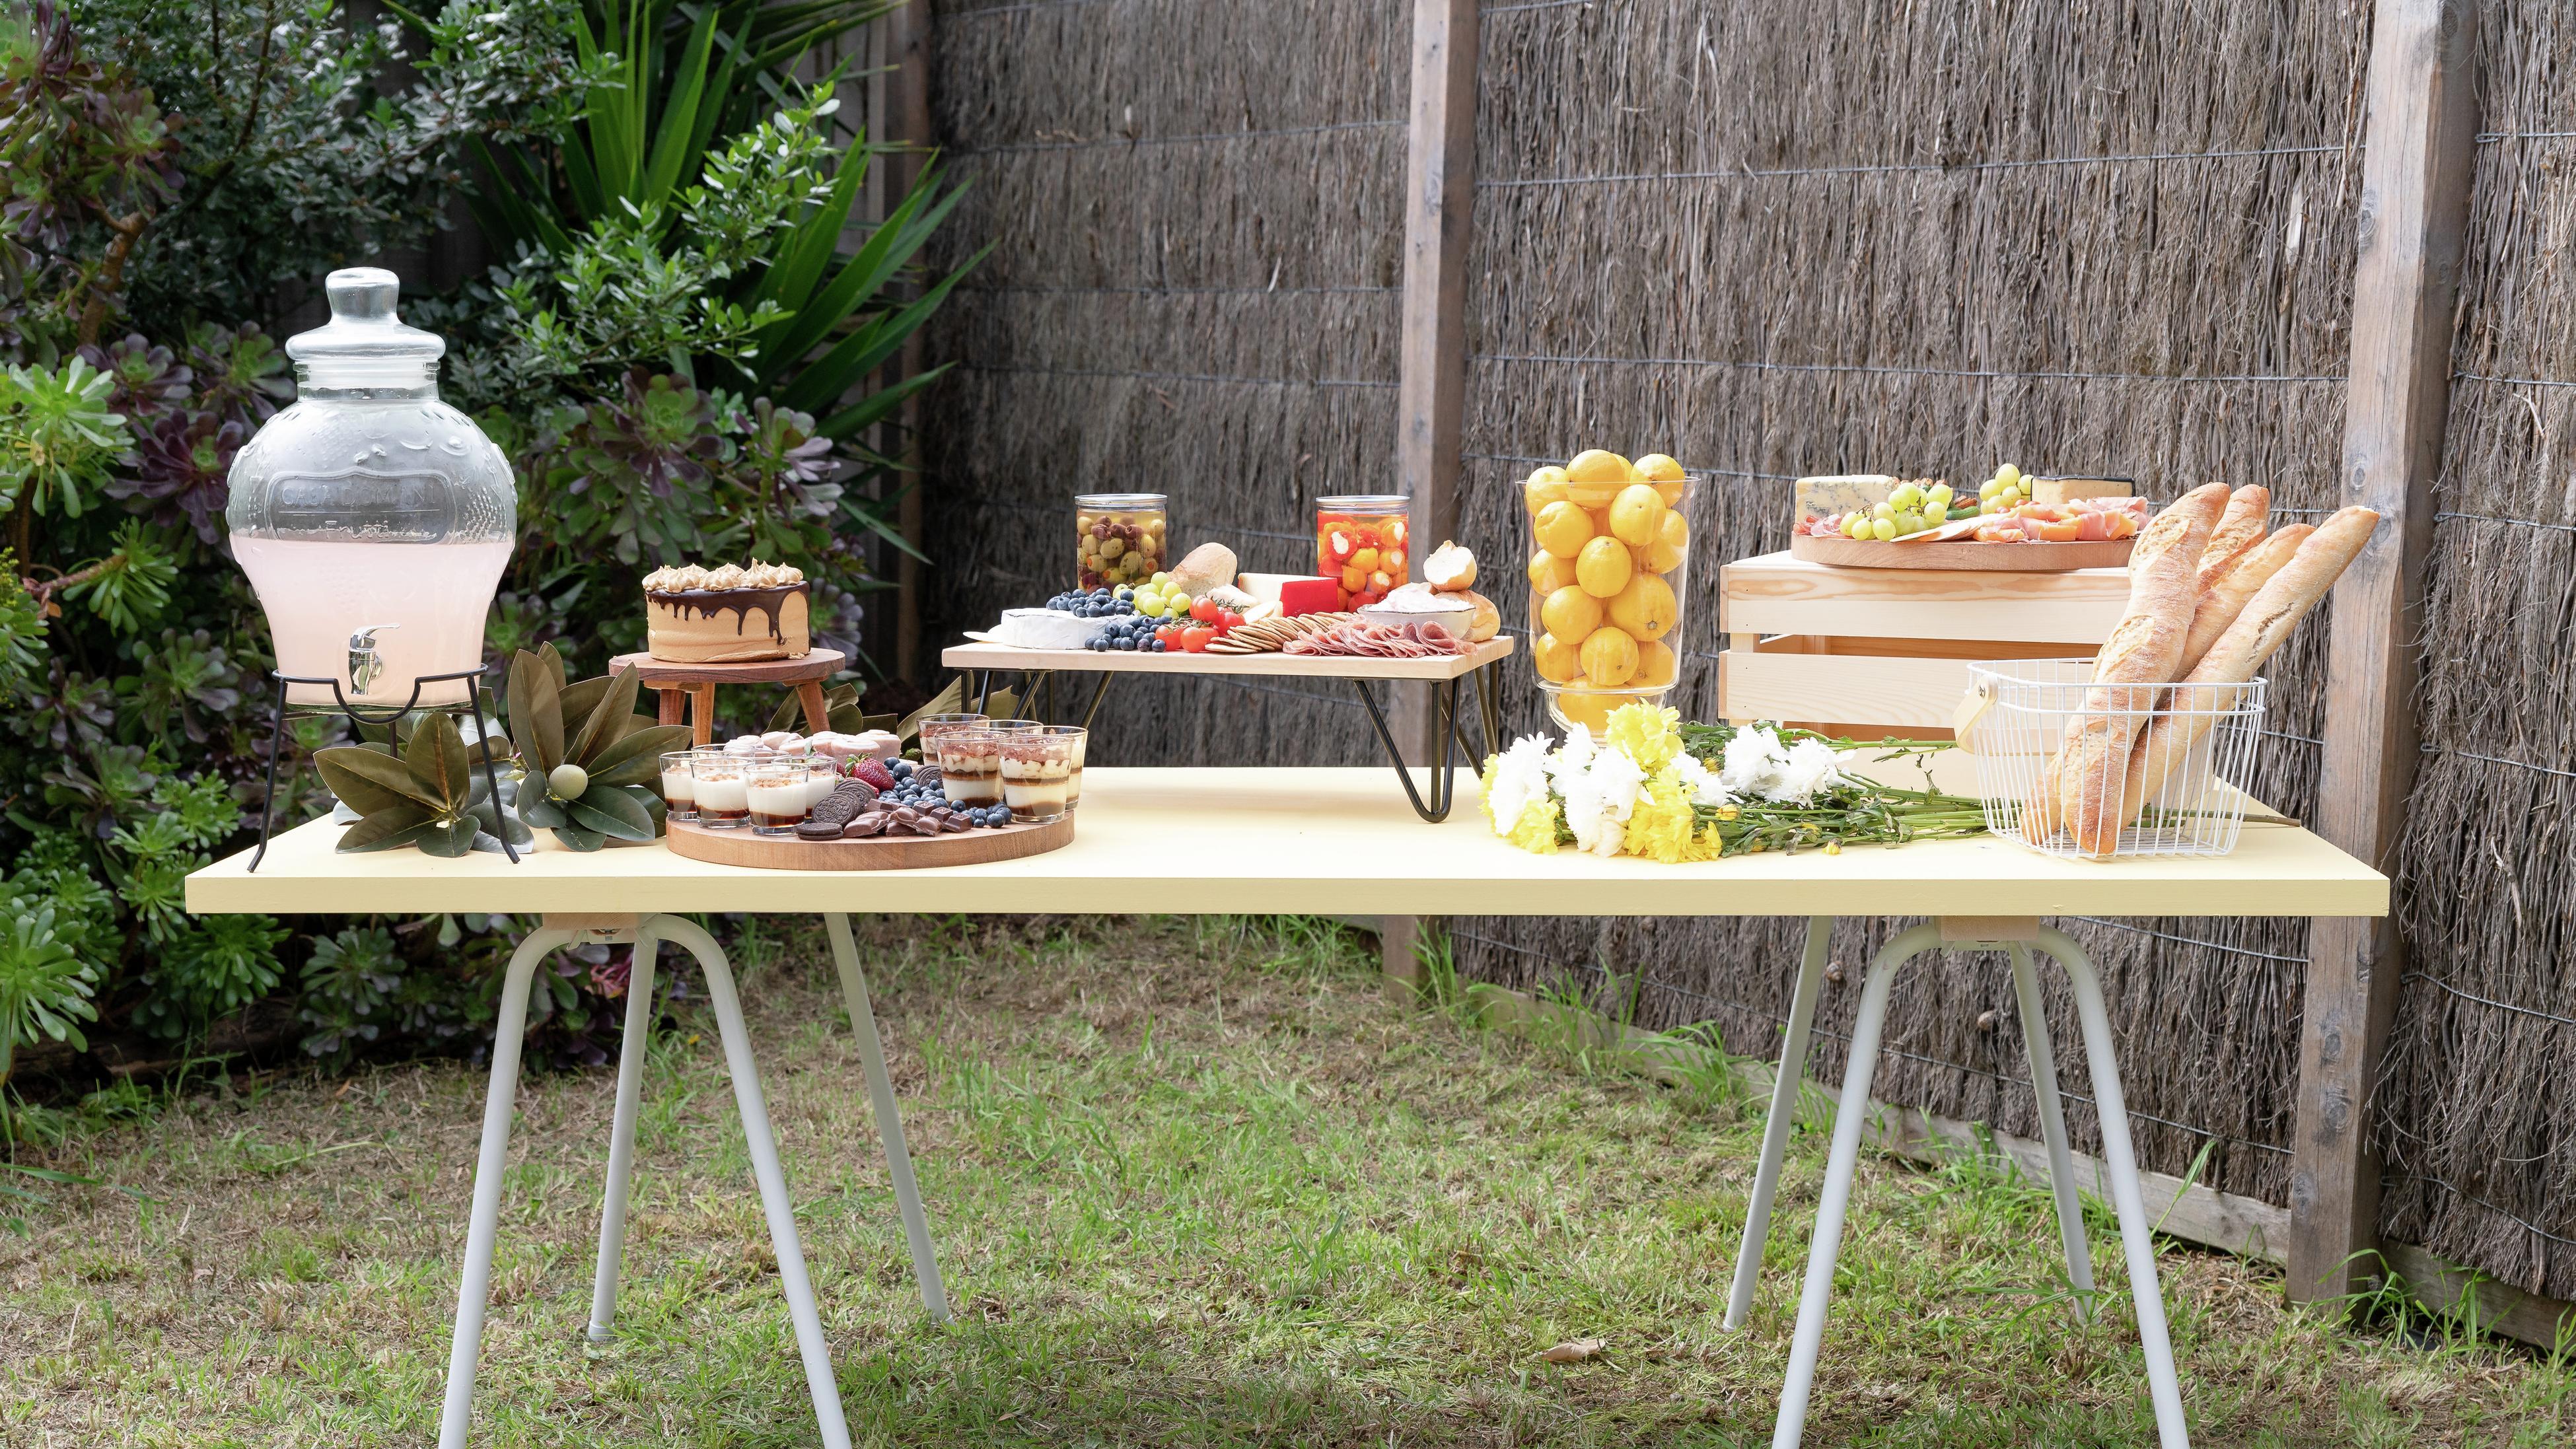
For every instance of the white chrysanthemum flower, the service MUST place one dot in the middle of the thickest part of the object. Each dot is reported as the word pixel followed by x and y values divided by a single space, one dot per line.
pixel 1520 776
pixel 1704 788
pixel 1753 763
pixel 1807 772
pixel 1598 799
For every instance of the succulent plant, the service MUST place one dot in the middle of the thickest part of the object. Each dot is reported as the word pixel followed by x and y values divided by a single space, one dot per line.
pixel 592 764
pixel 432 794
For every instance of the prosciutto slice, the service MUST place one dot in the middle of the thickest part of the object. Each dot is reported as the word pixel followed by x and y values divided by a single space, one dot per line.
pixel 1370 639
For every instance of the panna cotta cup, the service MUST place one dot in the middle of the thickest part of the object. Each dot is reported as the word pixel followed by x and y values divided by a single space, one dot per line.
pixel 721 785
pixel 775 790
pixel 970 767
pixel 679 791
pixel 1037 773
pixel 935 727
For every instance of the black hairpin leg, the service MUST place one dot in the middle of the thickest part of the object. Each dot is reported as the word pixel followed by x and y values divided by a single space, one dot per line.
pixel 491 779
pixel 1488 707
pixel 1097 691
pixel 1444 776
pixel 276 747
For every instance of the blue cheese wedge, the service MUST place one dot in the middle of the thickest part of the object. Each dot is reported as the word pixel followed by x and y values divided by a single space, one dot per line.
pixel 1845 493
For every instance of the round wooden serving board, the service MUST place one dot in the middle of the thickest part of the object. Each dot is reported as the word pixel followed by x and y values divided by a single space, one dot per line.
pixel 874 852
pixel 2002 558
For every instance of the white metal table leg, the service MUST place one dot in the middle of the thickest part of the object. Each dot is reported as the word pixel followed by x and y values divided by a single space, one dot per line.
pixel 621 1134
pixel 2052 1131
pixel 1784 1113
pixel 474 1289
pixel 774 1201
pixel 907 1192
pixel 2163 1385
pixel 1849 1115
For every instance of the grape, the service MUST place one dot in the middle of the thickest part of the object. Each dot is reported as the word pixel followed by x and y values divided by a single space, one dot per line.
pixel 1906 498
pixel 1940 496
pixel 1885 529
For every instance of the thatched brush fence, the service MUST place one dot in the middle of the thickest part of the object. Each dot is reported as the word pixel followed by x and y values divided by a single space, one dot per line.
pixel 1858 234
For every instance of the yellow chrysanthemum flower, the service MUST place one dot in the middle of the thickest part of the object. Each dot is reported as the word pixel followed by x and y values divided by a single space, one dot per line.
pixel 1535 831
pixel 1645 734
pixel 1660 825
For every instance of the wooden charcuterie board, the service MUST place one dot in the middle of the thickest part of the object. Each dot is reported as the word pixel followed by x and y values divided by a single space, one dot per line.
pixel 874 852
pixel 2005 558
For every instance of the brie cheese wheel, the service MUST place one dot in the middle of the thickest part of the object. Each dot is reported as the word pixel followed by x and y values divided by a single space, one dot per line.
pixel 1046 629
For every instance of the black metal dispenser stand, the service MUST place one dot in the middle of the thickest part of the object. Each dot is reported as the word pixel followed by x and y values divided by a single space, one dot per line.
pixel 387 716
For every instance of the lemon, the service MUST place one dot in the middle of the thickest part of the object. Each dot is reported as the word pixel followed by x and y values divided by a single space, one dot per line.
pixel 1604 567
pixel 1665 474
pixel 1645 608
pixel 1570 613
pixel 1556 660
pixel 1657 665
pixel 1672 541
pixel 1609 657
pixel 1587 710
pixel 1594 477
pixel 1637 514
pixel 1563 529
pixel 1549 573
pixel 1545 486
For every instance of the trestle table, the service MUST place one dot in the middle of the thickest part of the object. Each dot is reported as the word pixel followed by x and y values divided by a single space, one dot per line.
pixel 1307 840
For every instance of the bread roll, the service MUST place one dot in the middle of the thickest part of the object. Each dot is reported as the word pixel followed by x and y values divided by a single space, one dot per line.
pixel 2136 662
pixel 2242 648
pixel 2249 510
pixel 2223 600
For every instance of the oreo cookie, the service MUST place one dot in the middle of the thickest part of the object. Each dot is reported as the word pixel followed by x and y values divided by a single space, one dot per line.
pixel 843 805
pixel 813 829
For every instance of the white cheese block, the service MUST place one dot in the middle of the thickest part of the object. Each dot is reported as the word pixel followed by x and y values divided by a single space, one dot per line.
pixel 1046 629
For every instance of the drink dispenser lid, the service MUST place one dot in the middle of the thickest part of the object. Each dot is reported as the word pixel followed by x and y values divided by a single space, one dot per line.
pixel 364 344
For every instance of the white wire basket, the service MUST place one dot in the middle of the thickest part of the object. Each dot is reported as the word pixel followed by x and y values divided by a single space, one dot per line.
pixel 2070 768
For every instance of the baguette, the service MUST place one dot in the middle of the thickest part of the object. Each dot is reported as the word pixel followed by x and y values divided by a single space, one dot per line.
pixel 2249 510
pixel 2266 622
pixel 2223 600
pixel 2136 662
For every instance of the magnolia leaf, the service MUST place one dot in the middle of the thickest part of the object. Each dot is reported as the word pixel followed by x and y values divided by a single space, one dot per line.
pixel 578 701
pixel 609 722
pixel 951 700
pixel 536 713
pixel 576 838
pixel 644 744
pixel 552 659
pixel 543 812
pixel 449 838
pixel 643 769
pixel 368 780
pixel 436 757
pixel 503 824
pixel 614 813
pixel 1576 1350
pixel 386 829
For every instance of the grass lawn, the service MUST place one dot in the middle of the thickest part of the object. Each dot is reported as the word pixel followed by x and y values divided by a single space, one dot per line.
pixel 1193 1184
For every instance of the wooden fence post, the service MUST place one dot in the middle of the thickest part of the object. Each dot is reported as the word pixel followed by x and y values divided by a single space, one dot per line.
pixel 1431 397
pixel 906 98
pixel 2416 166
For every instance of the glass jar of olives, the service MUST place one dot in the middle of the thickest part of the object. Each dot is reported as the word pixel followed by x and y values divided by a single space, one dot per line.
pixel 1121 536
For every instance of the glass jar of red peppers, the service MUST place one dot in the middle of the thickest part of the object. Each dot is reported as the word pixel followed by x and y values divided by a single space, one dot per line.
pixel 1362 543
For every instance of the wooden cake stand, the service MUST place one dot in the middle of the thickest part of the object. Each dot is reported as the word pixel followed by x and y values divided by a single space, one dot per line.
pixel 874 852
pixel 678 684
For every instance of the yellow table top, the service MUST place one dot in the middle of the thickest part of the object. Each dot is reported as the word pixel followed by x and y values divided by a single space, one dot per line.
pixel 1322 840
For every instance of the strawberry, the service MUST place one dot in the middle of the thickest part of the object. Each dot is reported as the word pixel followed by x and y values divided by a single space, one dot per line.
pixel 874 772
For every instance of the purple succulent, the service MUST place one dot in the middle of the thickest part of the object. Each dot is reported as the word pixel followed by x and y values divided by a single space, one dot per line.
pixel 186 467
pixel 148 378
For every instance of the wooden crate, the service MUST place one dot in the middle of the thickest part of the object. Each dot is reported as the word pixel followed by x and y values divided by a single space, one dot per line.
pixel 1871 652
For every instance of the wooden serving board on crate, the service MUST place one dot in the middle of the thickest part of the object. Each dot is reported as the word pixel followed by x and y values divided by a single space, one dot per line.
pixel 2013 558
pixel 874 852
pixel 1877 652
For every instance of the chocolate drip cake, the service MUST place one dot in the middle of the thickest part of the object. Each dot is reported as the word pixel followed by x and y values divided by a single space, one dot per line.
pixel 728 615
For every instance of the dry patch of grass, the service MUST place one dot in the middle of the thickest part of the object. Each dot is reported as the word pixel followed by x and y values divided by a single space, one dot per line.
pixel 1192 1183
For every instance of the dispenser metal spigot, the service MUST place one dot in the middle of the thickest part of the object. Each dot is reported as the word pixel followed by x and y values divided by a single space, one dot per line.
pixel 366 666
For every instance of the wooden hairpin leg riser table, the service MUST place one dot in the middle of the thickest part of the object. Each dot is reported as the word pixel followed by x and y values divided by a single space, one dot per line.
pixel 2015 936
pixel 648 932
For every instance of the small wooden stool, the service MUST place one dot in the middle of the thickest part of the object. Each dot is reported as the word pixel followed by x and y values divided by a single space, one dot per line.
pixel 678 684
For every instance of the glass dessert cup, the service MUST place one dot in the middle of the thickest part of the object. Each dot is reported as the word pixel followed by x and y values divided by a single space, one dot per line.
pixel 1606 610
pixel 721 785
pixel 934 726
pixel 822 776
pixel 1037 774
pixel 970 767
pixel 1013 726
pixel 1119 536
pixel 1073 781
pixel 1363 544
pixel 775 791
pixel 679 791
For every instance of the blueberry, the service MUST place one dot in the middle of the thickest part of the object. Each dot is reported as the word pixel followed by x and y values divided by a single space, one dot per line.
pixel 1126 643
pixel 902 768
